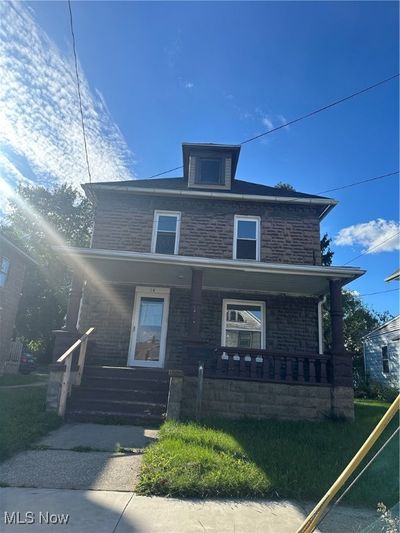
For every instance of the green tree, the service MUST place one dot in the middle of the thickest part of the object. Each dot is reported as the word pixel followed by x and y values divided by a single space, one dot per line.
pixel 69 215
pixel 285 186
pixel 326 252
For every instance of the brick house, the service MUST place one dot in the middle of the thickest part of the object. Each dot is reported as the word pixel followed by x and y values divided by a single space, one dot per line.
pixel 13 263
pixel 206 294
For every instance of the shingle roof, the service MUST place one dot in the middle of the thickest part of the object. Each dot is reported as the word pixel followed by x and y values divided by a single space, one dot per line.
pixel 238 187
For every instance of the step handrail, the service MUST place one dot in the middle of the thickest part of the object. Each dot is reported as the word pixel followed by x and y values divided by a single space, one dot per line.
pixel 66 358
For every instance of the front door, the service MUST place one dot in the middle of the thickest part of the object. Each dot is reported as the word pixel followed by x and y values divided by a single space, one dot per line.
pixel 149 327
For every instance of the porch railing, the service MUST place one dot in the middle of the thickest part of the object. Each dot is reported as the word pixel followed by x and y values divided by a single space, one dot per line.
pixel 263 365
pixel 66 359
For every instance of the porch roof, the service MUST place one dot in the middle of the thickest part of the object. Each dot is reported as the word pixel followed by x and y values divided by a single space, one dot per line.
pixel 119 266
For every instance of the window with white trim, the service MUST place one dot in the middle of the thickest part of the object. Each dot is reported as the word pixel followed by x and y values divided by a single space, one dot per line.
pixel 166 232
pixel 243 324
pixel 385 360
pixel 4 268
pixel 246 242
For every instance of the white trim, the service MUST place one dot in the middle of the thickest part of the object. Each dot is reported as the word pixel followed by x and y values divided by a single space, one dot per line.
pixel 227 301
pixel 382 326
pixel 329 202
pixel 321 326
pixel 157 214
pixel 257 220
pixel 205 262
pixel 147 292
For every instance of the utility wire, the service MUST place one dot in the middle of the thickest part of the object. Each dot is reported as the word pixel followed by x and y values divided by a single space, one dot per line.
pixel 302 117
pixel 379 292
pixel 373 248
pixel 78 83
pixel 360 182
pixel 359 475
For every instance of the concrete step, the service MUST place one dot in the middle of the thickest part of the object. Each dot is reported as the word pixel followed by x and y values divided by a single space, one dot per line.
pixel 115 417
pixel 148 374
pixel 134 394
pixel 118 406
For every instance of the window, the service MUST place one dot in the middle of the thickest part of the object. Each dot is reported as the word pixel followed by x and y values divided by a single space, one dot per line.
pixel 243 324
pixel 4 268
pixel 166 232
pixel 246 243
pixel 385 360
pixel 210 171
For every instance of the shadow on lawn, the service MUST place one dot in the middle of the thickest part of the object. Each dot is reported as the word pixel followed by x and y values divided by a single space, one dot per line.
pixel 302 459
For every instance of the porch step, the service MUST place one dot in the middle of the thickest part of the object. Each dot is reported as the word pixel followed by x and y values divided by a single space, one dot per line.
pixel 120 394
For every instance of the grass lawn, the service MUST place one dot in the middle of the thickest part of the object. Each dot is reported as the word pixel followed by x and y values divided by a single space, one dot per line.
pixel 21 379
pixel 269 458
pixel 23 418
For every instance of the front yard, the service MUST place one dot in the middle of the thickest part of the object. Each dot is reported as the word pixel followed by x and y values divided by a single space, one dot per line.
pixel 23 418
pixel 269 459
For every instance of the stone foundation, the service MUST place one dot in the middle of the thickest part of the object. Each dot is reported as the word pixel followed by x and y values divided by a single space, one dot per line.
pixel 237 398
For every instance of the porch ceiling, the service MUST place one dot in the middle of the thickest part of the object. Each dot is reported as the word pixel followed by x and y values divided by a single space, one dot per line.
pixel 176 271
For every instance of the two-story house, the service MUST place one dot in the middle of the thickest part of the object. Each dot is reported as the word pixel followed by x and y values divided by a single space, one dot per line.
pixel 207 271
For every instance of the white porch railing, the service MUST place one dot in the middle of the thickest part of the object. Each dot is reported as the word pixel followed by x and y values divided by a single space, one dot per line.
pixel 66 358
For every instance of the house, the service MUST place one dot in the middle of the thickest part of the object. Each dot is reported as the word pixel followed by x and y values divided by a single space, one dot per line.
pixel 13 263
pixel 382 354
pixel 205 292
pixel 394 276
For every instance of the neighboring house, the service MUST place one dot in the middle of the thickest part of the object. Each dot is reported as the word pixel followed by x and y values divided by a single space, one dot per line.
pixel 382 354
pixel 13 263
pixel 394 276
pixel 207 268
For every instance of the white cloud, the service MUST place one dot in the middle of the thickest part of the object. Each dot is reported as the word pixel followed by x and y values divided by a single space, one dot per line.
pixel 268 122
pixel 39 110
pixel 370 234
pixel 189 85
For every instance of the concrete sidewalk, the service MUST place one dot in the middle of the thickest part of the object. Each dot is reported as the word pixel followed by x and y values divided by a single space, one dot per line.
pixel 81 456
pixel 123 512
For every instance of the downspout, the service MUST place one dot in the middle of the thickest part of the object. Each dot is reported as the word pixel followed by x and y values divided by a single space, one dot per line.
pixel 321 302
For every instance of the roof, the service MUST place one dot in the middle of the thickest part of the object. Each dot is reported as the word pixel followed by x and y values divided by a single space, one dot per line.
pixel 238 187
pixel 393 322
pixel 395 275
pixel 22 254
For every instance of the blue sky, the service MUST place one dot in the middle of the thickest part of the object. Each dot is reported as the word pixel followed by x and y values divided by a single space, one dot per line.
pixel 156 74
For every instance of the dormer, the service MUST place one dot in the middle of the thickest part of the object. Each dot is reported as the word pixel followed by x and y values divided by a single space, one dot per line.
pixel 210 166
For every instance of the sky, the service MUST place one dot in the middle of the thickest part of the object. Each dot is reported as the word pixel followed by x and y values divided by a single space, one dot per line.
pixel 156 74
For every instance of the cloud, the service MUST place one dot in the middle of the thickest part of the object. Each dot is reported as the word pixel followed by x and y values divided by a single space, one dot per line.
pixel 268 122
pixel 370 234
pixel 189 85
pixel 40 120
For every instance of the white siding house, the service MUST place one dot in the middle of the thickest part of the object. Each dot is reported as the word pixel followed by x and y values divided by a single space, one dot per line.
pixel 382 354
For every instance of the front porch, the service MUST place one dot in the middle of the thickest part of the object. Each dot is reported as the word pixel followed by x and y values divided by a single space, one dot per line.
pixel 216 364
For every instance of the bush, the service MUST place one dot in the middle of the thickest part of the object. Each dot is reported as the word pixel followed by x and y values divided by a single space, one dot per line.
pixel 375 391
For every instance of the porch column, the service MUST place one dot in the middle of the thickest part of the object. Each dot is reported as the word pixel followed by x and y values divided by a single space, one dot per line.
pixel 337 316
pixel 342 364
pixel 74 300
pixel 195 304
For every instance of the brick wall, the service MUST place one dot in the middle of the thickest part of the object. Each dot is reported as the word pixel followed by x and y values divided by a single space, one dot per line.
pixel 291 323
pixel 236 399
pixel 9 300
pixel 289 233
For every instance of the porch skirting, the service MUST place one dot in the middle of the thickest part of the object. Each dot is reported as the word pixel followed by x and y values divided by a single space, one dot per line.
pixel 238 398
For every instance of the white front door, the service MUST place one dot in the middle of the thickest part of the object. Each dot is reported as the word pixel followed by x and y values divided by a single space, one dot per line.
pixel 149 327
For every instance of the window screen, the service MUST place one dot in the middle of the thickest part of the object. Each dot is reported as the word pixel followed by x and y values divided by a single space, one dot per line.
pixel 166 234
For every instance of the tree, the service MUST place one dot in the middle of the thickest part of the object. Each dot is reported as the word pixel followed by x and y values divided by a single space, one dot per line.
pixel 69 217
pixel 285 186
pixel 358 320
pixel 326 252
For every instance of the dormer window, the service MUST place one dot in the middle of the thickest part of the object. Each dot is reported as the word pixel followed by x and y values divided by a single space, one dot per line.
pixel 210 171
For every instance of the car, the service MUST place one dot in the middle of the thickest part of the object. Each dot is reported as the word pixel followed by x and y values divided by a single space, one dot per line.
pixel 27 363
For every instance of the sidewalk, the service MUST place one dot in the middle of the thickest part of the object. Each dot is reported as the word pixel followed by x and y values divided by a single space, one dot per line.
pixel 104 512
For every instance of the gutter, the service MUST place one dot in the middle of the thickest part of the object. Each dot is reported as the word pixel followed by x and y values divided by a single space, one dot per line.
pixel 328 202
pixel 320 326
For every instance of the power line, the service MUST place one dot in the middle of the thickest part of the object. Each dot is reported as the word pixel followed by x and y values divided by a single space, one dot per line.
pixel 373 248
pixel 302 117
pixel 319 110
pixel 79 90
pixel 378 292
pixel 360 182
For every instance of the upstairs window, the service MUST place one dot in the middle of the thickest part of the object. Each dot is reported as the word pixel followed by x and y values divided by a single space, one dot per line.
pixel 166 232
pixel 385 360
pixel 210 171
pixel 246 243
pixel 4 268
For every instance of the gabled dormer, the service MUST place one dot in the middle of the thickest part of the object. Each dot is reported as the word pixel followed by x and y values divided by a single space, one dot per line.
pixel 210 166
